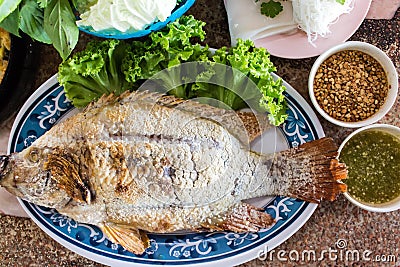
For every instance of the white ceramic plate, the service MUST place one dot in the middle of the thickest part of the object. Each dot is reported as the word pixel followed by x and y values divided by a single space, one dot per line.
pixel 48 105
pixel 297 46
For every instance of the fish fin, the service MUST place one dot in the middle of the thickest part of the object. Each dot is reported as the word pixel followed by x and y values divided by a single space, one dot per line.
pixel 126 96
pixel 64 170
pixel 103 100
pixel 242 217
pixel 255 124
pixel 130 238
pixel 312 170
pixel 246 126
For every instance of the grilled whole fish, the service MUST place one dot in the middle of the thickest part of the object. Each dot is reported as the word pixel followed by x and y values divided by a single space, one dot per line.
pixel 145 162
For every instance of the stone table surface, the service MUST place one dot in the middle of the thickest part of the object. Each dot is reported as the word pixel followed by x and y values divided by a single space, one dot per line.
pixel 22 243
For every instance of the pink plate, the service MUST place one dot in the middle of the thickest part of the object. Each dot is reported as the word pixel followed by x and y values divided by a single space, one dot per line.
pixel 297 46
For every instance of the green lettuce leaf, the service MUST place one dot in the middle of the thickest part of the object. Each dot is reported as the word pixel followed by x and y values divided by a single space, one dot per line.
pixel 248 83
pixel 93 72
pixel 236 77
pixel 165 49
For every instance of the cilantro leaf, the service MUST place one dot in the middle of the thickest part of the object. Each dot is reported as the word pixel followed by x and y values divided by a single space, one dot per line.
pixel 271 8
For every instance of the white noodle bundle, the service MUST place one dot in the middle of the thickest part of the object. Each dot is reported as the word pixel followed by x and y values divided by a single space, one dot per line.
pixel 315 16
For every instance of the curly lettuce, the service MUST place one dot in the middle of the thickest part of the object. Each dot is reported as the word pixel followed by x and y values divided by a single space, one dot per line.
pixel 115 66
pixel 94 71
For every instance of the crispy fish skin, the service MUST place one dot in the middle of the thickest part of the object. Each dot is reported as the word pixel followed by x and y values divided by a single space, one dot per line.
pixel 147 162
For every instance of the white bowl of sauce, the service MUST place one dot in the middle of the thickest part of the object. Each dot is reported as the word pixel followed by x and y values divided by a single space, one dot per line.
pixel 372 155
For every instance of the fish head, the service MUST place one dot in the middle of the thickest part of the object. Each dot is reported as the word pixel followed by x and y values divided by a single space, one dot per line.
pixel 26 176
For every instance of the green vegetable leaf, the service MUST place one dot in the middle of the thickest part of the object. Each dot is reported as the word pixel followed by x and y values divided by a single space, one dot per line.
pixel 75 2
pixel 175 40
pixel 141 64
pixel 166 48
pixel 43 3
pixel 94 71
pixel 235 78
pixel 271 8
pixel 11 23
pixel 273 100
pixel 180 32
pixel 249 83
pixel 7 7
pixel 31 16
pixel 59 24
pixel 341 1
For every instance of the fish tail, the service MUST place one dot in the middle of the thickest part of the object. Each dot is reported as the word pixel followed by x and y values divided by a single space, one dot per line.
pixel 242 217
pixel 310 172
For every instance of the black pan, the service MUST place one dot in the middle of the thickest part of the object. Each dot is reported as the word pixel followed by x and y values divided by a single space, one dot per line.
pixel 16 86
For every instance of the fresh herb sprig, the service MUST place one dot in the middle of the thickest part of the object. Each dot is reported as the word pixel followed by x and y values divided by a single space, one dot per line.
pixel 46 21
pixel 271 8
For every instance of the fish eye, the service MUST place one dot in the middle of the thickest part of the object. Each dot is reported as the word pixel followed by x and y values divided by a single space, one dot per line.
pixel 34 156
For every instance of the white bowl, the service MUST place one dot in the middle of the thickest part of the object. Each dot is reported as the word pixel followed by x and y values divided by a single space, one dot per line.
pixel 178 11
pixel 384 207
pixel 387 65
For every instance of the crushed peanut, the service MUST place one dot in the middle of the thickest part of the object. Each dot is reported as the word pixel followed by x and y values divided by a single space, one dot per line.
pixel 350 86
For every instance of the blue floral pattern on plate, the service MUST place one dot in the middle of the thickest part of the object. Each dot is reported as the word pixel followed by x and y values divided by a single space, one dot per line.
pixel 49 105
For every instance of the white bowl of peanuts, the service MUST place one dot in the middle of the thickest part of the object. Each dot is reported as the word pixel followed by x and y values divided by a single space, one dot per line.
pixel 353 84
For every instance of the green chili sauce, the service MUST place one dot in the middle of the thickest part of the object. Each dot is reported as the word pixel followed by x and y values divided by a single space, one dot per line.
pixel 373 161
